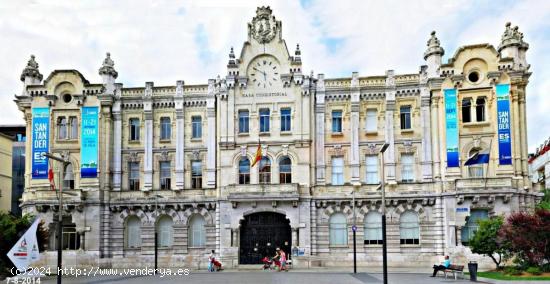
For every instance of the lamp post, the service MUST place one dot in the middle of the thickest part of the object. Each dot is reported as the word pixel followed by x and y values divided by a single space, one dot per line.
pixel 156 232
pixel 64 162
pixel 384 240
pixel 356 185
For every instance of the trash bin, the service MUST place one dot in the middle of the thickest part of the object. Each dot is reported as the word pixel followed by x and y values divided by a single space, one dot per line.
pixel 472 268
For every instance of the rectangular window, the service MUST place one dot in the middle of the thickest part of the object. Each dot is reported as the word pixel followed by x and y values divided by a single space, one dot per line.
pixel 285 119
pixel 466 110
pixel 70 239
pixel 196 123
pixel 133 176
pixel 371 121
pixel 471 224
pixel 405 115
pixel 165 180
pixel 243 121
pixel 196 174
pixel 62 128
pixel 372 169
pixel 480 109
pixel 337 170
pixel 165 128
pixel 264 120
pixel 407 167
pixel 336 121
pixel 134 129
pixel 73 122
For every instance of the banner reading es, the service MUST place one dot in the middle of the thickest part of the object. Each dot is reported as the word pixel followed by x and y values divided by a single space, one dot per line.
pixel 40 142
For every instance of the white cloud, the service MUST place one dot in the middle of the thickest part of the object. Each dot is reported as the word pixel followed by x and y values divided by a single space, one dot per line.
pixel 157 40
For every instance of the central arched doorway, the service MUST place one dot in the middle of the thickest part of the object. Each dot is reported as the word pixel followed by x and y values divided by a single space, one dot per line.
pixel 261 233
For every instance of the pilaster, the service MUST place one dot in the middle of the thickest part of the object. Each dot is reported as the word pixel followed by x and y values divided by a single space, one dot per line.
pixel 117 139
pixel 148 135
pixel 425 123
pixel 211 139
pixel 354 157
pixel 180 137
pixel 320 130
pixel 389 155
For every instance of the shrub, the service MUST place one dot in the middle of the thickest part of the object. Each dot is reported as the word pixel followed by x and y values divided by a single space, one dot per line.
pixel 534 270
pixel 512 270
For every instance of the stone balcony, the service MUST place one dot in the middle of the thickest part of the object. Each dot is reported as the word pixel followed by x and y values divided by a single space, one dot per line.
pixel 164 196
pixel 483 183
pixel 44 199
pixel 250 192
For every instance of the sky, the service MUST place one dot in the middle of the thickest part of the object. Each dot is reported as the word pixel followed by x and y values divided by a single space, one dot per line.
pixel 164 41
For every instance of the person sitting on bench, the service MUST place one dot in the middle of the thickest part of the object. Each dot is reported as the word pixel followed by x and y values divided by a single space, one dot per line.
pixel 444 265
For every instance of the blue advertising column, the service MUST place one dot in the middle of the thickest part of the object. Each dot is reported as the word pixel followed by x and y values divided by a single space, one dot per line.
pixel 503 117
pixel 89 138
pixel 451 127
pixel 40 142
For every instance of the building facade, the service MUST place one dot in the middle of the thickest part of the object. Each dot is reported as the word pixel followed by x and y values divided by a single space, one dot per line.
pixel 539 167
pixel 12 172
pixel 181 160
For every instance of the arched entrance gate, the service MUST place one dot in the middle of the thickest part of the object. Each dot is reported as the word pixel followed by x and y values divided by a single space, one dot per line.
pixel 261 233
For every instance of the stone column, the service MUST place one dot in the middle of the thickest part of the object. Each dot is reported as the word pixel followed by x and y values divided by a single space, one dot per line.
pixel 389 155
pixel 180 137
pixel 320 130
pixel 425 121
pixel 354 157
pixel 148 137
pixel 117 139
pixel 516 139
pixel 211 139
pixel 523 135
pixel 437 136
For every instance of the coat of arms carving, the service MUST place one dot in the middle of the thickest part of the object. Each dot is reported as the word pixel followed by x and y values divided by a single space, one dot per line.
pixel 263 27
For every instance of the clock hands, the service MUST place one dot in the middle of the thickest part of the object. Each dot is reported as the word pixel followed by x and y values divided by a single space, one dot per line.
pixel 259 71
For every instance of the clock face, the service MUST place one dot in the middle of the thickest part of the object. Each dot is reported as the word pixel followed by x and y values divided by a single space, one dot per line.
pixel 263 72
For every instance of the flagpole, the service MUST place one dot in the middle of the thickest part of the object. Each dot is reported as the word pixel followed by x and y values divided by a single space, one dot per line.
pixel 487 167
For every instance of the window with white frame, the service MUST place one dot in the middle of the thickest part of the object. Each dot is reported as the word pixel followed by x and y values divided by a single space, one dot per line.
pixel 265 170
pixel 165 231
pixel 407 167
pixel 372 121
pixel 196 124
pixel 373 228
pixel 371 165
pixel 132 232
pixel 285 170
pixel 409 229
pixel 264 120
pixel 405 117
pixel 73 126
pixel 338 228
pixel 285 119
pixel 134 129
pixel 62 128
pixel 165 180
pixel 472 224
pixel 197 231
pixel 165 128
pixel 133 175
pixel 336 121
pixel 243 121
pixel 244 171
pixel 337 170
pixel 196 174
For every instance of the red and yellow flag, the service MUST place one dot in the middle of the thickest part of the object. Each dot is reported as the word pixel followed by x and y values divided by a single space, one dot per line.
pixel 258 154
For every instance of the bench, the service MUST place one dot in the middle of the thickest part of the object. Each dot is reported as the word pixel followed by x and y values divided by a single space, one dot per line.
pixel 455 270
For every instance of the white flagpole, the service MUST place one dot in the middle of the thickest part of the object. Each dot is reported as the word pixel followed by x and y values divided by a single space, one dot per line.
pixel 487 167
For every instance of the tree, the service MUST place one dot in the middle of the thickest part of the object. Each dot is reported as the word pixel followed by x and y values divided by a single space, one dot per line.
pixel 545 202
pixel 528 236
pixel 484 241
pixel 11 229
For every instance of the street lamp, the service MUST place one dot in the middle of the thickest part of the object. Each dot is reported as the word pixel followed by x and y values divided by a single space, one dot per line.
pixel 156 232
pixel 384 240
pixel 356 185
pixel 64 163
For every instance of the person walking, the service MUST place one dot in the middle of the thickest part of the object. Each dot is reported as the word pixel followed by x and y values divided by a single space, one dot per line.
pixel 444 265
pixel 282 259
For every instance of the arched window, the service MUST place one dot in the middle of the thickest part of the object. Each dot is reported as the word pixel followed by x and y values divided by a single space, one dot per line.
pixel 265 170
pixel 466 110
pixel 338 229
pixel 244 171
pixel 62 128
pixel 409 229
pixel 165 231
pixel 68 178
pixel 197 231
pixel 132 232
pixel 373 228
pixel 285 170
pixel 475 171
pixel 480 109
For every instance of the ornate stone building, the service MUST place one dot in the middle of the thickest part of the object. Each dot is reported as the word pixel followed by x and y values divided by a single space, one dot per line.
pixel 181 158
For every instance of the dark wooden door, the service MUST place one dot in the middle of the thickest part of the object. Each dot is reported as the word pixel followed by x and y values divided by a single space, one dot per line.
pixel 261 234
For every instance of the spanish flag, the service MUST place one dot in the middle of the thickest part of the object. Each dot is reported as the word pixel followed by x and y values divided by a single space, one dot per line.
pixel 258 154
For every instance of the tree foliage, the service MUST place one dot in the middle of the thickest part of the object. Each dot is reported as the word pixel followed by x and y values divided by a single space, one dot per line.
pixel 484 241
pixel 528 236
pixel 11 229
pixel 545 202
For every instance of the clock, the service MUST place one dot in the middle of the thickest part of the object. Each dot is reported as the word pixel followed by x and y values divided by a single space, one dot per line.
pixel 264 72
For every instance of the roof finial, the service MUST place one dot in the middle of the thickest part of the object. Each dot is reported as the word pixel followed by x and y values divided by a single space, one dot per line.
pixel 231 57
pixel 434 46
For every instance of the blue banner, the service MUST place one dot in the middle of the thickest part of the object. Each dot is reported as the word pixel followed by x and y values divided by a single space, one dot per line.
pixel 40 142
pixel 88 147
pixel 451 127
pixel 503 118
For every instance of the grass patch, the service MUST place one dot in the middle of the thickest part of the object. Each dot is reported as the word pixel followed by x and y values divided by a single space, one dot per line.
pixel 498 275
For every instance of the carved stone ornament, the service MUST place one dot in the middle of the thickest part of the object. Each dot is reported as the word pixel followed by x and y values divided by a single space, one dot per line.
pixel 196 154
pixel 31 70
pixel 107 68
pixel 263 27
